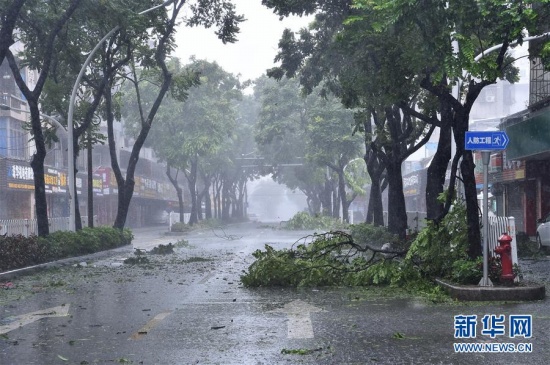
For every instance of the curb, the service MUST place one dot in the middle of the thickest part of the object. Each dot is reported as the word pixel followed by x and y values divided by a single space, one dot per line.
pixel 494 293
pixel 10 275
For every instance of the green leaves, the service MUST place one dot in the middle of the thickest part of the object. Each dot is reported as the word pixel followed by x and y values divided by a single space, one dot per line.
pixel 303 220
pixel 329 259
pixel 196 118
pixel 218 13
pixel 19 251
pixel 292 125
pixel 437 247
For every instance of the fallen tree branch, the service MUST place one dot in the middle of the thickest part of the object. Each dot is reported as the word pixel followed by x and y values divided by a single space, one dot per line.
pixel 226 236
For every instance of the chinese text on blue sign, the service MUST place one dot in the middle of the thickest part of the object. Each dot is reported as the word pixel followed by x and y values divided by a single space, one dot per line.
pixel 486 140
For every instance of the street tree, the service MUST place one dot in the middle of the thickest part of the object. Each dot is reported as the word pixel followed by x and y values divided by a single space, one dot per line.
pixel 432 47
pixel 336 57
pixel 193 128
pixel 237 161
pixel 314 127
pixel 280 133
pixel 218 13
pixel 54 34
pixel 8 20
pixel 331 143
pixel 88 27
pixel 448 36
pixel 39 30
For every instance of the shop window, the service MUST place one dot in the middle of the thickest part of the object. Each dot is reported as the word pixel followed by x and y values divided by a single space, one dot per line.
pixel 13 139
pixel 17 141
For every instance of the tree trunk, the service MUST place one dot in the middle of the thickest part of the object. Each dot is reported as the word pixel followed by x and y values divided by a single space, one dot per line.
pixel 217 198
pixel 226 201
pixel 37 165
pixel 436 173
pixel 240 202
pixel 313 202
pixel 204 196
pixel 335 201
pixel 470 192
pixel 375 169
pixel 125 186
pixel 179 190
pixel 397 213
pixel 192 184
pixel 326 198
pixel 375 210
pixel 41 205
pixel 208 205
pixel 343 195
pixel 472 208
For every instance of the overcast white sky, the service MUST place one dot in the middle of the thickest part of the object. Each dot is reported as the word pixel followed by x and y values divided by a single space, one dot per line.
pixel 255 49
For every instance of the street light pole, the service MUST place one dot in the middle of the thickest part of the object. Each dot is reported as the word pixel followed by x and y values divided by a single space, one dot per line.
pixel 70 123
pixel 512 44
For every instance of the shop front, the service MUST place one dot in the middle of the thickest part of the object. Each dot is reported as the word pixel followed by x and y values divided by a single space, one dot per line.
pixel 526 171
pixel 150 199
pixel 17 191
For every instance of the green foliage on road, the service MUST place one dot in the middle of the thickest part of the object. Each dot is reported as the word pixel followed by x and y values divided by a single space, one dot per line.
pixel 333 258
pixel 303 220
pixel 163 249
pixel 439 246
pixel 303 351
pixel 201 224
pixel 369 255
pixel 19 251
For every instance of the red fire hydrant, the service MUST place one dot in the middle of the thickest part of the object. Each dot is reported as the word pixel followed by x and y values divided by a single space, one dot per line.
pixel 505 252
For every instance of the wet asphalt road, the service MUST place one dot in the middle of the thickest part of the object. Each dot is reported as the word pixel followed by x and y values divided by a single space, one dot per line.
pixel 190 308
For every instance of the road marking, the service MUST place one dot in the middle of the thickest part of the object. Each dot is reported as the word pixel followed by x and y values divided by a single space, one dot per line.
pixel 149 326
pixel 299 320
pixel 28 318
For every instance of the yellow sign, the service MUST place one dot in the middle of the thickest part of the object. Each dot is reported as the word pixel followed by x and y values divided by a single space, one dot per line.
pixel 20 186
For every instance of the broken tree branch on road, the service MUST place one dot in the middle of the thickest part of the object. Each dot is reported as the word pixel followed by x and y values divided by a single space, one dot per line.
pixel 321 259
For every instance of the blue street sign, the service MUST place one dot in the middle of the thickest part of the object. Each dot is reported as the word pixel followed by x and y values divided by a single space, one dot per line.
pixel 486 140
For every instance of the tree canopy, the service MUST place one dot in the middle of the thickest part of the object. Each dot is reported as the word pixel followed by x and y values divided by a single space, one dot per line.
pixel 409 55
pixel 193 127
pixel 57 36
pixel 312 131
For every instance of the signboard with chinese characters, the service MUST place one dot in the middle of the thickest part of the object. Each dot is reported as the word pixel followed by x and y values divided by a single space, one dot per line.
pixel 19 177
pixel 486 140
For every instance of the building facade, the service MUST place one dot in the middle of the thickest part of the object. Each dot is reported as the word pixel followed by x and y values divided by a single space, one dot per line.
pixel 521 177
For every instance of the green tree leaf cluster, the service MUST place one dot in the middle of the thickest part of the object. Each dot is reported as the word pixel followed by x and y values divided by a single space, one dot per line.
pixel 438 246
pixel 409 54
pixel 198 125
pixel 313 130
pixel 330 259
